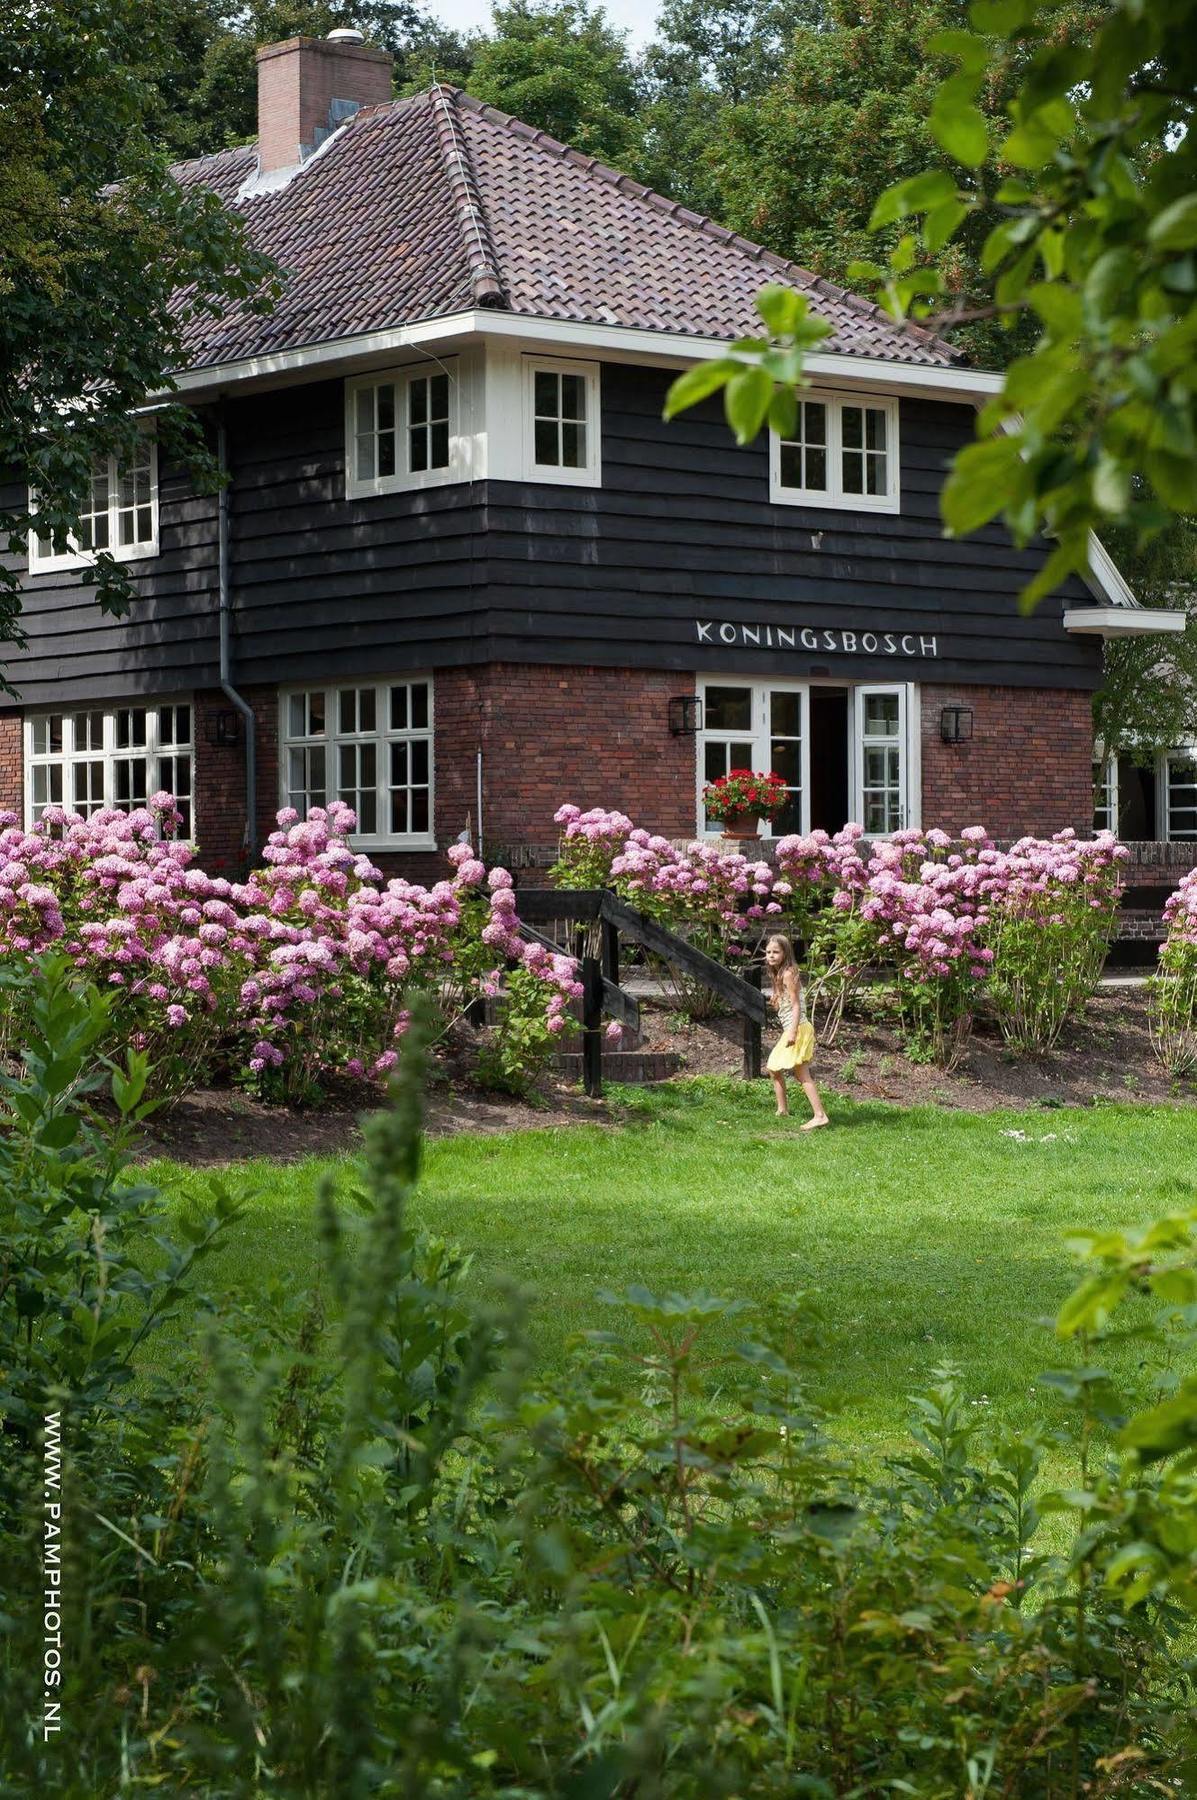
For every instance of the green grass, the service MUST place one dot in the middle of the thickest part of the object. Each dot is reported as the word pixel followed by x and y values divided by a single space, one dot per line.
pixel 931 1236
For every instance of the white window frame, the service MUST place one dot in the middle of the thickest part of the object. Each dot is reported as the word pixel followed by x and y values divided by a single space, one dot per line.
pixel 590 474
pixel 405 479
pixel 858 743
pixel 108 752
pixel 1181 752
pixel 77 557
pixel 833 495
pixel 383 736
pixel 910 713
pixel 1106 783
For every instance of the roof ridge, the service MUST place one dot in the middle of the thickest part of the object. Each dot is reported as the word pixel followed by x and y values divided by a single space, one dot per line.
pixel 701 222
pixel 485 279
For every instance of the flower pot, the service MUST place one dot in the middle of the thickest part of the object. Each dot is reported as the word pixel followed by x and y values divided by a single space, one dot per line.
pixel 741 825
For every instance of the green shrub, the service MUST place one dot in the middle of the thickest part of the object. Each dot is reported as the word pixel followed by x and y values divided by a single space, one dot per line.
pixel 349 1551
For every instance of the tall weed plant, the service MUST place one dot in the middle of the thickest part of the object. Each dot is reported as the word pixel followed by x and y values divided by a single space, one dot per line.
pixel 351 1549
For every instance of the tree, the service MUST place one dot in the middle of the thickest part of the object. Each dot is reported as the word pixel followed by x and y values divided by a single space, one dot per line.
pixel 1148 698
pixel 103 261
pixel 201 69
pixel 559 65
pixel 1091 180
pixel 710 56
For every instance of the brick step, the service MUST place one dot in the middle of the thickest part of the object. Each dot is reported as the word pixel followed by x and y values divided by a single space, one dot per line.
pixel 634 1066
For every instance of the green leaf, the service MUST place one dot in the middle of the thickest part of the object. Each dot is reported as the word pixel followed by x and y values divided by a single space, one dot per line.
pixel 980 484
pixel 969 50
pixel 1176 227
pixel 943 222
pixel 998 18
pixel 781 308
pixel 699 383
pixel 746 401
pixel 916 194
pixel 959 128
pixel 1030 145
pixel 1163 1430
pixel 1058 306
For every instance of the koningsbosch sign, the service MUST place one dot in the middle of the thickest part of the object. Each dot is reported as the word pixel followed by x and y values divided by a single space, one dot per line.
pixel 816 637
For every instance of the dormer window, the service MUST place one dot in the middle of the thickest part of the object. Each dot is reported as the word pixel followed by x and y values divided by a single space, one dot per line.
pixel 561 422
pixel 401 430
pixel 119 514
pixel 844 453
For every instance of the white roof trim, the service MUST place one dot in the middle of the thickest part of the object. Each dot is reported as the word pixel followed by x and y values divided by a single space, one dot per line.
pixel 663 348
pixel 1121 620
pixel 1106 579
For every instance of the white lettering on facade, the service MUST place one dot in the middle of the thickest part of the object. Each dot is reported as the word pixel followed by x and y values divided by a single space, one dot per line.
pixel 808 637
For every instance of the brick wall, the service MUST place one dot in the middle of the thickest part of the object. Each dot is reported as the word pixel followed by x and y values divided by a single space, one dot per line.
pixel 298 79
pixel 12 773
pixel 220 778
pixel 1027 768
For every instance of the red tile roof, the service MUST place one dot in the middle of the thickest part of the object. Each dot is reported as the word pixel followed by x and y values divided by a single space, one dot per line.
pixel 437 204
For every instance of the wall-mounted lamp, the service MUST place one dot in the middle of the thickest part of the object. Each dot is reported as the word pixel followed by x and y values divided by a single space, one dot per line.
pixel 685 715
pixel 956 724
pixel 223 729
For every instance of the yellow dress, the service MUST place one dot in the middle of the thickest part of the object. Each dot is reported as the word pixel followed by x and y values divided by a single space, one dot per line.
pixel 802 1050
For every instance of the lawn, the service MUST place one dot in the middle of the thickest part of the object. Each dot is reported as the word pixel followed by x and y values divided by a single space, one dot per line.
pixel 931 1236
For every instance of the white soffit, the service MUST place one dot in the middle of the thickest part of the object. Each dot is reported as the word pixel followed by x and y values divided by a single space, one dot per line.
pixel 1122 621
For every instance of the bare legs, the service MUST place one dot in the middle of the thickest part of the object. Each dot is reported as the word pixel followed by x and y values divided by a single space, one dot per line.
pixel 807 1080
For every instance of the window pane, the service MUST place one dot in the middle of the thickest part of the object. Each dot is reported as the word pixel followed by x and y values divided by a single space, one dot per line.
pixel 399 717
pixel 785 713
pixel 816 470
pixel 814 422
pixel 546 393
pixel 348 709
pixel 419 705
pixel 399 811
pixel 297 711
pixel 386 453
pixel 875 474
pixel 881 715
pixel 546 442
pixel 790 469
pixel 852 427
pixel 366 468
pixel 130 727
pixel 573 397
pixel 365 412
pixel 417 401
pixel 386 408
pixel 131 781
pixel 419 760
pixel 398 765
pixel 875 423
pixel 315 758
pixel 418 450
pixel 573 446
pixel 727 709
pixel 315 714
pixel 785 758
pixel 419 810
pixel 853 472
pixel 439 439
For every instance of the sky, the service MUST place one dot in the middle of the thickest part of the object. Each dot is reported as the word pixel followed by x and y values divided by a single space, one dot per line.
pixel 637 17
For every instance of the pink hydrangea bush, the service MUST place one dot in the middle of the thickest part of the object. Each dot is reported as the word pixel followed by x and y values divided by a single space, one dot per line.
pixel 303 970
pixel 953 923
pixel 1173 987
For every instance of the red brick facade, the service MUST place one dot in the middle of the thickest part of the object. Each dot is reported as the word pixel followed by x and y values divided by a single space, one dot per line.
pixel 1028 766
pixel 298 80
pixel 12 760
pixel 220 777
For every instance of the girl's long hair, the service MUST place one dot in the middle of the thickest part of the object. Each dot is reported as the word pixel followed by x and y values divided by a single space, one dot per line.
pixel 789 965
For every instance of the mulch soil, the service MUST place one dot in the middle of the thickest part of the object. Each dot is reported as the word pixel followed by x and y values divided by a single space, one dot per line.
pixel 1108 1059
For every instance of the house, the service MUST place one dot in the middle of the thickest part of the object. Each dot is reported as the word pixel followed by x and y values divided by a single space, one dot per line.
pixel 463 570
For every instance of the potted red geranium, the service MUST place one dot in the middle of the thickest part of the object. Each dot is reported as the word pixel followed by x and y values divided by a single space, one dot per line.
pixel 741 799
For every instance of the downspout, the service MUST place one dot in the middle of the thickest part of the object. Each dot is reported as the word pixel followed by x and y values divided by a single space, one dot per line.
pixel 226 646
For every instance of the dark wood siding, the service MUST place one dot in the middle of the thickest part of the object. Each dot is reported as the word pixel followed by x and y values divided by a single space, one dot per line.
pixel 681 531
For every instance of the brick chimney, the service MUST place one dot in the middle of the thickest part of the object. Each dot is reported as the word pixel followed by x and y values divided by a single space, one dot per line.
pixel 307 86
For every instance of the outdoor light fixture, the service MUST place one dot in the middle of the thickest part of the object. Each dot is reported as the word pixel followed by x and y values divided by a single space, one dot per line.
pixel 685 715
pixel 956 724
pixel 223 729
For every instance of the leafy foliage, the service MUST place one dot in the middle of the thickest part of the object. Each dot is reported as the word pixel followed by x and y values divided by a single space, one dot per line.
pixel 355 1553
pixel 103 260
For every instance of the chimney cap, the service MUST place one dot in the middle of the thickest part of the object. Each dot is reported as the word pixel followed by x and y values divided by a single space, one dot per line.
pixel 346 34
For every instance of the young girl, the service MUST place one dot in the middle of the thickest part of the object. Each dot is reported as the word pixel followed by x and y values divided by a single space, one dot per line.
pixel 795 1048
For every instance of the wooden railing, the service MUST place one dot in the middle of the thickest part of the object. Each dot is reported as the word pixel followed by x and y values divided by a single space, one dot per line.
pixel 587 908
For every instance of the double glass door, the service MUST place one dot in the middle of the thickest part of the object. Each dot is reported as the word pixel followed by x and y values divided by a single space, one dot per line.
pixel 842 752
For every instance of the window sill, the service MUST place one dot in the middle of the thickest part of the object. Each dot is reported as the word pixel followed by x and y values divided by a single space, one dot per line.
pixel 556 477
pixel 388 846
pixel 406 484
pixel 63 565
pixel 873 503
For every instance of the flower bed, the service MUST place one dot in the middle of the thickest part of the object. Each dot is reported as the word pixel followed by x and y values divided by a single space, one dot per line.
pixel 1173 989
pixel 303 971
pixel 955 926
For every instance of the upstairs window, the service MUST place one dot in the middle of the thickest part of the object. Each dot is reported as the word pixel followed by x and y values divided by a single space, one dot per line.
pixel 368 745
pixel 844 453
pixel 119 514
pixel 401 430
pixel 561 422
pixel 109 756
